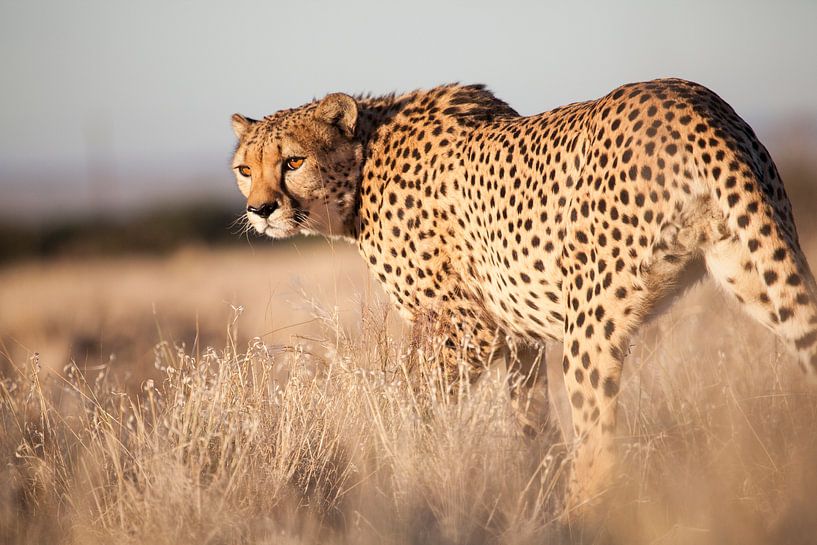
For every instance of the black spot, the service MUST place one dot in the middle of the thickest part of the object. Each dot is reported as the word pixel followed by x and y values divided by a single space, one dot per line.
pixel 770 277
pixel 609 329
pixel 610 387
pixel 626 156
pixel 733 199
pixel 806 340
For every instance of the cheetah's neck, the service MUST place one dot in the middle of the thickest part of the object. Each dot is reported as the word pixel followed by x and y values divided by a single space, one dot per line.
pixel 413 139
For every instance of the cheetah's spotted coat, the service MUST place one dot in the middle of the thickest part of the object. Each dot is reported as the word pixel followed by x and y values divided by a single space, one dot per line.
pixel 570 225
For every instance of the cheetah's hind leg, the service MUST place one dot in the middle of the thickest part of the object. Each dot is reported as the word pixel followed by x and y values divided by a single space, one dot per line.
pixel 761 263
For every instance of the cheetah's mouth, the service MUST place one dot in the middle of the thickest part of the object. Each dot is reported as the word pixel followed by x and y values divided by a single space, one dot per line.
pixel 283 226
pixel 278 230
pixel 275 226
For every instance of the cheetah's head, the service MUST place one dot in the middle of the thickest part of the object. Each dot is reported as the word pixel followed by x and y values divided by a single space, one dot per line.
pixel 300 169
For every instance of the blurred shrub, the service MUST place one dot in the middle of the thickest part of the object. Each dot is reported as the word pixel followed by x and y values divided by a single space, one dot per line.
pixel 157 230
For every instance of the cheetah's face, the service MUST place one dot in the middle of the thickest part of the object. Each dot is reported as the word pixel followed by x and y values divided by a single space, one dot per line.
pixel 299 169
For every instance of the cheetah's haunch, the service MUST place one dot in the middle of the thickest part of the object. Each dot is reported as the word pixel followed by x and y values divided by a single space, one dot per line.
pixel 571 225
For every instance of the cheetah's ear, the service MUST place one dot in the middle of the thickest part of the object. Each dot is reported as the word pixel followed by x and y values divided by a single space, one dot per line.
pixel 241 124
pixel 339 110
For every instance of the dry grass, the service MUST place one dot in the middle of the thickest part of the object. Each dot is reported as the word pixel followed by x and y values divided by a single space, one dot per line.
pixel 345 434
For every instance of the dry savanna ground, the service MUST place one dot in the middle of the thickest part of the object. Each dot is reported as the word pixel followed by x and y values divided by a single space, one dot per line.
pixel 263 395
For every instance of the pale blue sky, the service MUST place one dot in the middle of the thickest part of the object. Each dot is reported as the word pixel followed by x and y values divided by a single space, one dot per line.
pixel 140 92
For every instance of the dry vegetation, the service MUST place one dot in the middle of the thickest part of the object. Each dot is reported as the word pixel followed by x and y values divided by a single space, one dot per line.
pixel 338 430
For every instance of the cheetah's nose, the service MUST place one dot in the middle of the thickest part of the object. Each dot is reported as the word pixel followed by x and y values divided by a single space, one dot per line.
pixel 265 210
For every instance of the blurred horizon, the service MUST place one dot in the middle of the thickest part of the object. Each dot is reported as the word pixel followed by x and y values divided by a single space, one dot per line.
pixel 112 107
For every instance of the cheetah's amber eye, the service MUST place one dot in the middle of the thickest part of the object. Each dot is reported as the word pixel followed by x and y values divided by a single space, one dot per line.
pixel 294 163
pixel 244 170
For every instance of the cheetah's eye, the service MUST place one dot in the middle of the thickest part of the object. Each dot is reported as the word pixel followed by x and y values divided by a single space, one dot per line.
pixel 294 163
pixel 244 170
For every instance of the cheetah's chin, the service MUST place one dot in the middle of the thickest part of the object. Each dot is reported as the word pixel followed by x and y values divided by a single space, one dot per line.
pixel 275 231
pixel 279 232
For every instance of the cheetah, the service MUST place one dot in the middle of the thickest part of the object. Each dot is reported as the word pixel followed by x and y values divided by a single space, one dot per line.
pixel 573 225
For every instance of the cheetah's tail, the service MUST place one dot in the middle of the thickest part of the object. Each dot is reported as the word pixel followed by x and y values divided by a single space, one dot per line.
pixel 760 260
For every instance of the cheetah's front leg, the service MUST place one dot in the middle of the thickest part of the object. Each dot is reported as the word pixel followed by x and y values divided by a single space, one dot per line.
pixel 596 332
